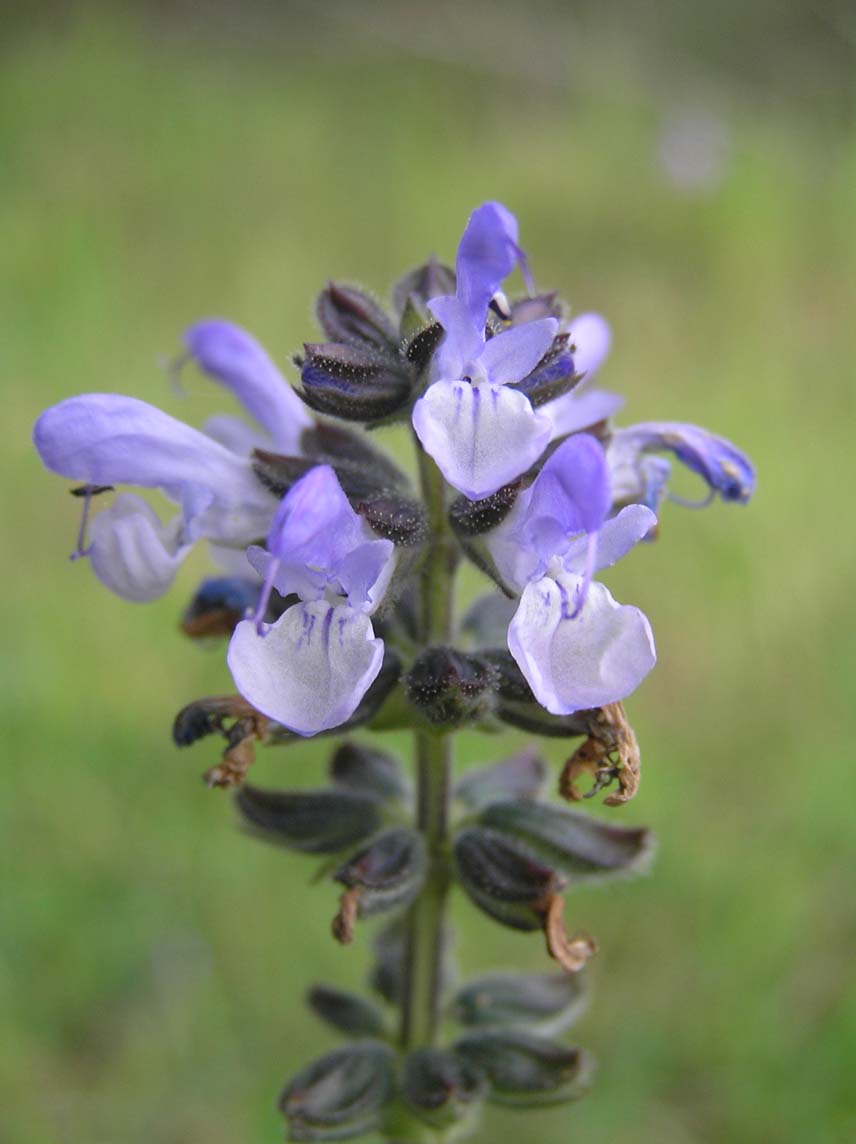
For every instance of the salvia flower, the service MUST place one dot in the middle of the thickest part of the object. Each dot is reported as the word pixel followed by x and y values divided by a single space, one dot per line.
pixel 575 645
pixel 104 439
pixel 638 474
pixel 311 668
pixel 108 439
pixel 481 433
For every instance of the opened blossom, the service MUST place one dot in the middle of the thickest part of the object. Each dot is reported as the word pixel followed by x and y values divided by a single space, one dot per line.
pixel 577 647
pixel 480 432
pixel 106 439
pixel 639 474
pixel 310 669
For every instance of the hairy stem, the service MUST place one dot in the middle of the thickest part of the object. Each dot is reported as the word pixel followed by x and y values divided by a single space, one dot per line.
pixel 421 1003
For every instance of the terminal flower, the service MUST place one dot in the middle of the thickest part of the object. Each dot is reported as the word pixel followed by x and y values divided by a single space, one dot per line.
pixel 310 669
pixel 481 433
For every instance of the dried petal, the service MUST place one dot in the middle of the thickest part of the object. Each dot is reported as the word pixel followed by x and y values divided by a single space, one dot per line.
pixel 611 752
pixel 347 1012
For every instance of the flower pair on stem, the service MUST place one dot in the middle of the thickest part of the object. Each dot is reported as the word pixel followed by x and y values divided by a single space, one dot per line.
pixel 336 589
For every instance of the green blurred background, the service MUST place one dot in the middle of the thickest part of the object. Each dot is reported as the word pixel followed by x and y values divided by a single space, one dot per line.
pixel 688 169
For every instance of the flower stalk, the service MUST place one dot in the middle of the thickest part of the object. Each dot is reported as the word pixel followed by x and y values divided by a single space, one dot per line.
pixel 433 754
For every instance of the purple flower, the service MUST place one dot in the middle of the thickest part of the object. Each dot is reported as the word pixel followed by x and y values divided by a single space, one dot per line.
pixel 575 645
pixel 311 668
pixel 639 475
pixel 481 433
pixel 107 439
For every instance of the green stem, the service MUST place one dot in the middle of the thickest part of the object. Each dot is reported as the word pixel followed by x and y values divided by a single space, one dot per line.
pixel 421 1003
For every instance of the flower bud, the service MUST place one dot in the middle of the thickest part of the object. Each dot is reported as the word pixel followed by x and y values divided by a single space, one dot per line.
pixel 520 777
pixel 363 472
pixel 368 771
pixel 473 518
pixel 313 822
pixel 417 287
pixel 524 1070
pixel 341 1095
pixel 352 382
pixel 508 881
pixel 347 314
pixel 543 1002
pixel 347 1012
pixel 419 348
pixel 578 846
pixel 386 874
pixel 395 518
pixel 218 605
pixel 440 1087
pixel 533 309
pixel 504 879
pixel 449 687
pixel 553 376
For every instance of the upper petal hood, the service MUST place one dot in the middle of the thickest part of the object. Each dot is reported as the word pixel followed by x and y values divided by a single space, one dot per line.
pixel 234 358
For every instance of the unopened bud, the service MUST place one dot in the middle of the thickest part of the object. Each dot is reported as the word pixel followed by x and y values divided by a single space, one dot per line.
pixel 553 376
pixel 542 1002
pixel 347 1012
pixel 533 309
pixel 347 314
pixel 386 874
pixel 352 382
pixel 417 287
pixel 524 1070
pixel 395 518
pixel 504 879
pixel 440 1087
pixel 368 771
pixel 520 777
pixel 313 822
pixel 575 844
pixel 341 1095
pixel 449 687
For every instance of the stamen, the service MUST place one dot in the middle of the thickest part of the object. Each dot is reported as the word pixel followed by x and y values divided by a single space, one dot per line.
pixel 711 496
pixel 264 597
pixel 588 572
pixel 87 492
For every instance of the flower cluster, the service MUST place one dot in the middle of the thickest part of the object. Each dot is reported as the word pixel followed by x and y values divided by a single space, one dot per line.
pixel 334 586
pixel 507 411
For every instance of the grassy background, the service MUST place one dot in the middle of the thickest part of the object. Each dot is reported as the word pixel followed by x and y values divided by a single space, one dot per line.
pixel 151 960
